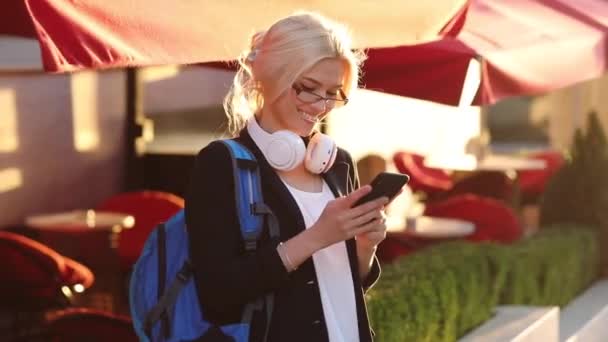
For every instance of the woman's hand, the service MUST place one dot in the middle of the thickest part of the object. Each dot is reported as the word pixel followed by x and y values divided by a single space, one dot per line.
pixel 372 238
pixel 339 221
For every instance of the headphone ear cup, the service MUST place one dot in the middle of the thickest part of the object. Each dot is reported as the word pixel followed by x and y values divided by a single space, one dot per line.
pixel 320 153
pixel 285 150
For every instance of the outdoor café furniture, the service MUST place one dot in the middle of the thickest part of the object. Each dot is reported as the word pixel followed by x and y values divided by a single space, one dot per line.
pixel 82 234
pixel 428 227
pixel 403 238
pixel 488 162
pixel 84 324
pixel 493 219
pixel 89 236
pixel 439 184
pixel 464 166
pixel 422 178
pixel 532 183
pixel 35 276
pixel 149 208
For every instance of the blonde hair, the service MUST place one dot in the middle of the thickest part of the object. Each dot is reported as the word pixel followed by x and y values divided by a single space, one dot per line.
pixel 278 56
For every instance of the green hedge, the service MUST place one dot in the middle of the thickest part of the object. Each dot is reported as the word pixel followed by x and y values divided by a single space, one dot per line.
pixel 443 292
pixel 578 192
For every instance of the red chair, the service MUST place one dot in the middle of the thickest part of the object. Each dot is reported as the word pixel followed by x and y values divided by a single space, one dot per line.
pixel 532 183
pixel 422 178
pixel 33 274
pixel 438 185
pixel 491 184
pixel 81 324
pixel 494 221
pixel 149 208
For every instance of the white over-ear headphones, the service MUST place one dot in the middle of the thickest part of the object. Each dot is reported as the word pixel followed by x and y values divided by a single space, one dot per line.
pixel 284 150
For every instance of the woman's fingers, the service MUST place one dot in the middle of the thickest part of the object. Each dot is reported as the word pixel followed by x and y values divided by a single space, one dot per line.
pixel 365 208
pixel 366 218
pixel 374 225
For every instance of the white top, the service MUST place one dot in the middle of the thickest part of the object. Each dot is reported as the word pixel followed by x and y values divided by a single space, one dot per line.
pixel 333 271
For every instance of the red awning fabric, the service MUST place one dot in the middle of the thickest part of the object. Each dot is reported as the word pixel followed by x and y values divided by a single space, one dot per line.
pixel 101 34
pixel 525 47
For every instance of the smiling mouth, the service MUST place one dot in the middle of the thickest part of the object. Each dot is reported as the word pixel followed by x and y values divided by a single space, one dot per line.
pixel 309 118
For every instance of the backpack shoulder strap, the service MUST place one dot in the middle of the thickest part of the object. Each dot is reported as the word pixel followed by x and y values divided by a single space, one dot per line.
pixel 251 209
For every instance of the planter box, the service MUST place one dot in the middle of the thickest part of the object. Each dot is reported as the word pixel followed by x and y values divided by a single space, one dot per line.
pixel 586 317
pixel 518 323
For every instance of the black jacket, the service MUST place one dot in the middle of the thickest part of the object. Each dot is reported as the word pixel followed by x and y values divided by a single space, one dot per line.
pixel 227 279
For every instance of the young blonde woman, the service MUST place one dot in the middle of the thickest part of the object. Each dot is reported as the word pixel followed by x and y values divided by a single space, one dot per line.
pixel 290 78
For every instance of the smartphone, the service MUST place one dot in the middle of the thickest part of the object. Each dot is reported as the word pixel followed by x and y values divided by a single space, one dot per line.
pixel 385 184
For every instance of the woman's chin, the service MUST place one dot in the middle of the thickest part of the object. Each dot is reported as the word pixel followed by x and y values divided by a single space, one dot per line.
pixel 304 128
pixel 306 131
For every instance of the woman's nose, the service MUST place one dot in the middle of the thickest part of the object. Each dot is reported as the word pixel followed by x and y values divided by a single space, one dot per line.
pixel 319 106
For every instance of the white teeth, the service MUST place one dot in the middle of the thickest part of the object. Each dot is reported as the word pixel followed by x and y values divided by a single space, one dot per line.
pixel 309 118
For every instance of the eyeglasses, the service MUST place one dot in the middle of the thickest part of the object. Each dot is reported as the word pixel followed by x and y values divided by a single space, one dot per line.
pixel 309 97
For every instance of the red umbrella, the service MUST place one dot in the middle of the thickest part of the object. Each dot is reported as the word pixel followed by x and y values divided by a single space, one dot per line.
pixel 100 33
pixel 524 47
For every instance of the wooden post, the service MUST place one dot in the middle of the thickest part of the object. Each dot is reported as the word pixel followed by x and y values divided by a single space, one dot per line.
pixel 134 130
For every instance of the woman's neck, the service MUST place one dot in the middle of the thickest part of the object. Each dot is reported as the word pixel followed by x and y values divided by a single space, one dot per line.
pixel 266 121
pixel 302 179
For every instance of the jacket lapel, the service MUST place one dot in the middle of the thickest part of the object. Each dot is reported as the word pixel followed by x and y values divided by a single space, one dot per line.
pixel 336 178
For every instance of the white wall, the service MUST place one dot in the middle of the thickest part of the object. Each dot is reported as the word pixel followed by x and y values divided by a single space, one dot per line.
pixel 567 109
pixel 44 165
pixel 62 140
pixel 171 88
pixel 384 124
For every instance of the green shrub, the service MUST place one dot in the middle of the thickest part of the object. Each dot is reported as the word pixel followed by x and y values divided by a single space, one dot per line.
pixel 553 267
pixel 578 192
pixel 429 296
pixel 441 293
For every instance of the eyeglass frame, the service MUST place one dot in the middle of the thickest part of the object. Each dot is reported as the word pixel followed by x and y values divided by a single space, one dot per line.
pixel 299 89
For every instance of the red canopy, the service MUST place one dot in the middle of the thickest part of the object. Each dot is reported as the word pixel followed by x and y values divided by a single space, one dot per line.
pixel 524 47
pixel 101 33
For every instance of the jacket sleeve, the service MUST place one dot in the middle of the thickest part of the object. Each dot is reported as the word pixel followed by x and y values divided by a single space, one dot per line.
pixel 354 184
pixel 226 277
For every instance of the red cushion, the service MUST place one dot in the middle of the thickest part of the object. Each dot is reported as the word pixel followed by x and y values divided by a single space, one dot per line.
pixel 494 221
pixel 533 182
pixel 422 178
pixel 149 208
pixel 34 271
pixel 77 273
pixel 80 324
pixel 491 184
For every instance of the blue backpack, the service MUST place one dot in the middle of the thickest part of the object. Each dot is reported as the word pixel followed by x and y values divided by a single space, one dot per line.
pixel 162 295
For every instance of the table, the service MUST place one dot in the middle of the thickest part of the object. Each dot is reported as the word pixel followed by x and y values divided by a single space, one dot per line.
pixel 430 228
pixel 91 222
pixel 81 220
pixel 490 162
pixel 91 238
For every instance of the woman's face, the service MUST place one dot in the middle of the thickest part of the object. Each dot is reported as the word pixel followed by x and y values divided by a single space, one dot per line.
pixel 300 113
